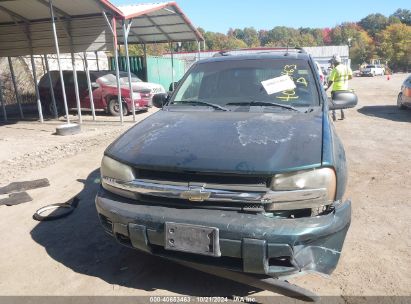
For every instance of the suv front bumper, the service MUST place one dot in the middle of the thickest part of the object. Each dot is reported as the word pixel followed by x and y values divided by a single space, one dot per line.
pixel 251 243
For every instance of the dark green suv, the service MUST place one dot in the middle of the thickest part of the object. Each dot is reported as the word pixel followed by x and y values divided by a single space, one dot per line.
pixel 241 168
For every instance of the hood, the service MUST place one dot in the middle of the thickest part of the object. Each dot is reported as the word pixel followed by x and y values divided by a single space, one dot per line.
pixel 141 86
pixel 229 142
pixel 153 87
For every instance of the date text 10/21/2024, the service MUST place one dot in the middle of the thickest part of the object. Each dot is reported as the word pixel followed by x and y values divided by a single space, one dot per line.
pixel 188 299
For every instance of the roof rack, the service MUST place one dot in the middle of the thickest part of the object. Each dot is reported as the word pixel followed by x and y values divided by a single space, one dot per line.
pixel 286 49
pixel 222 53
pixel 262 51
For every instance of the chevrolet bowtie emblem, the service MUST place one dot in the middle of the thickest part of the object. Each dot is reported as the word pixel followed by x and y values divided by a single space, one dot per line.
pixel 196 194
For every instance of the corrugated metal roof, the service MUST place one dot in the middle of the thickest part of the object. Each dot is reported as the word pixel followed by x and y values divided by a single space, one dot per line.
pixel 84 22
pixel 158 22
pixel 88 34
pixel 38 10
pixel 21 20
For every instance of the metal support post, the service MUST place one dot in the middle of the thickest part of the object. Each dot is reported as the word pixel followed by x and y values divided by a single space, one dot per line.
pixel 16 91
pixel 33 66
pixel 59 61
pixel 75 78
pixel 120 104
pixel 98 67
pixel 73 63
pixel 42 65
pixel 90 89
pixel 199 49
pixel 145 61
pixel 126 31
pixel 53 97
pixel 3 106
pixel 172 65
pixel 112 27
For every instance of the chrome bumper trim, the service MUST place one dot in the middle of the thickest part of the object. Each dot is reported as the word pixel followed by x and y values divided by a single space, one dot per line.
pixel 195 192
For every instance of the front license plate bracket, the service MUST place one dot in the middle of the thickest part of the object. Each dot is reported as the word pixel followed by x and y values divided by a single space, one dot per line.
pixel 192 238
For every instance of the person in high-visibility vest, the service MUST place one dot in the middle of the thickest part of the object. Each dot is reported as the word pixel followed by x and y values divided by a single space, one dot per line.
pixel 339 77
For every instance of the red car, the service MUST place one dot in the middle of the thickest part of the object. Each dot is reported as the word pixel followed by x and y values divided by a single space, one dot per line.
pixel 104 88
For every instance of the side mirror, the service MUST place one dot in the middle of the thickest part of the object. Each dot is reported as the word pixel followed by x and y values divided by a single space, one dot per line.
pixel 172 86
pixel 159 100
pixel 95 85
pixel 343 100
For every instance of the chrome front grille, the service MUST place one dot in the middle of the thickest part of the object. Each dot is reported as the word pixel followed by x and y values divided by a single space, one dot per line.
pixel 218 179
pixel 222 193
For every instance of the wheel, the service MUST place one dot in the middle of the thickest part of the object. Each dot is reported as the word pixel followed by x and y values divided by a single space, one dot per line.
pixel 68 129
pixel 113 108
pixel 399 102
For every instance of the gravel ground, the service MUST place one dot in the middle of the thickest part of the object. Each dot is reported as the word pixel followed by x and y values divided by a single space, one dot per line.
pixel 73 256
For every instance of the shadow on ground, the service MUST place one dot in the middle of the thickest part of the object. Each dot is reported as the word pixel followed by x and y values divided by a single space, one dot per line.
pixel 79 243
pixel 390 112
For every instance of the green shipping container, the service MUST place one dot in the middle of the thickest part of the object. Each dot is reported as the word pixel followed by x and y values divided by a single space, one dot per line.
pixel 136 65
pixel 158 69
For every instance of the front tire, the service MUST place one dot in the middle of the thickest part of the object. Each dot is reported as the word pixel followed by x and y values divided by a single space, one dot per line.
pixel 399 102
pixel 114 109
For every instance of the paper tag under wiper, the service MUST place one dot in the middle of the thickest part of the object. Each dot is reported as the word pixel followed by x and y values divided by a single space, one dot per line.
pixel 278 84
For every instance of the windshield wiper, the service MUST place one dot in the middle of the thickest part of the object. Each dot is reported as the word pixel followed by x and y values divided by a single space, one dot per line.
pixel 262 103
pixel 198 102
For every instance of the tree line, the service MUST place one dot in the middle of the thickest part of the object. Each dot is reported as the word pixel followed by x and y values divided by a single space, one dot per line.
pixel 374 37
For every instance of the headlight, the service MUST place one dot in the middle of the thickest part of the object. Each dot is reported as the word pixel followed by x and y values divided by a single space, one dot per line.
pixel 323 178
pixel 114 170
pixel 304 189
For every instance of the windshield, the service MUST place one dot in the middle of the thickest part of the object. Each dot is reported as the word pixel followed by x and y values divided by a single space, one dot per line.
pixel 244 81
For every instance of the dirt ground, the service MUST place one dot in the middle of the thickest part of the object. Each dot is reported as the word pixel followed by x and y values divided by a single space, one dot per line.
pixel 73 256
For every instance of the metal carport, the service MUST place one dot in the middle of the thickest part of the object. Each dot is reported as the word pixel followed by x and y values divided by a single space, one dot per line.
pixel 38 27
pixel 155 23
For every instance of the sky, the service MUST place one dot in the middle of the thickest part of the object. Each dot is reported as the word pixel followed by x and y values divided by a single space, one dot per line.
pixel 219 16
